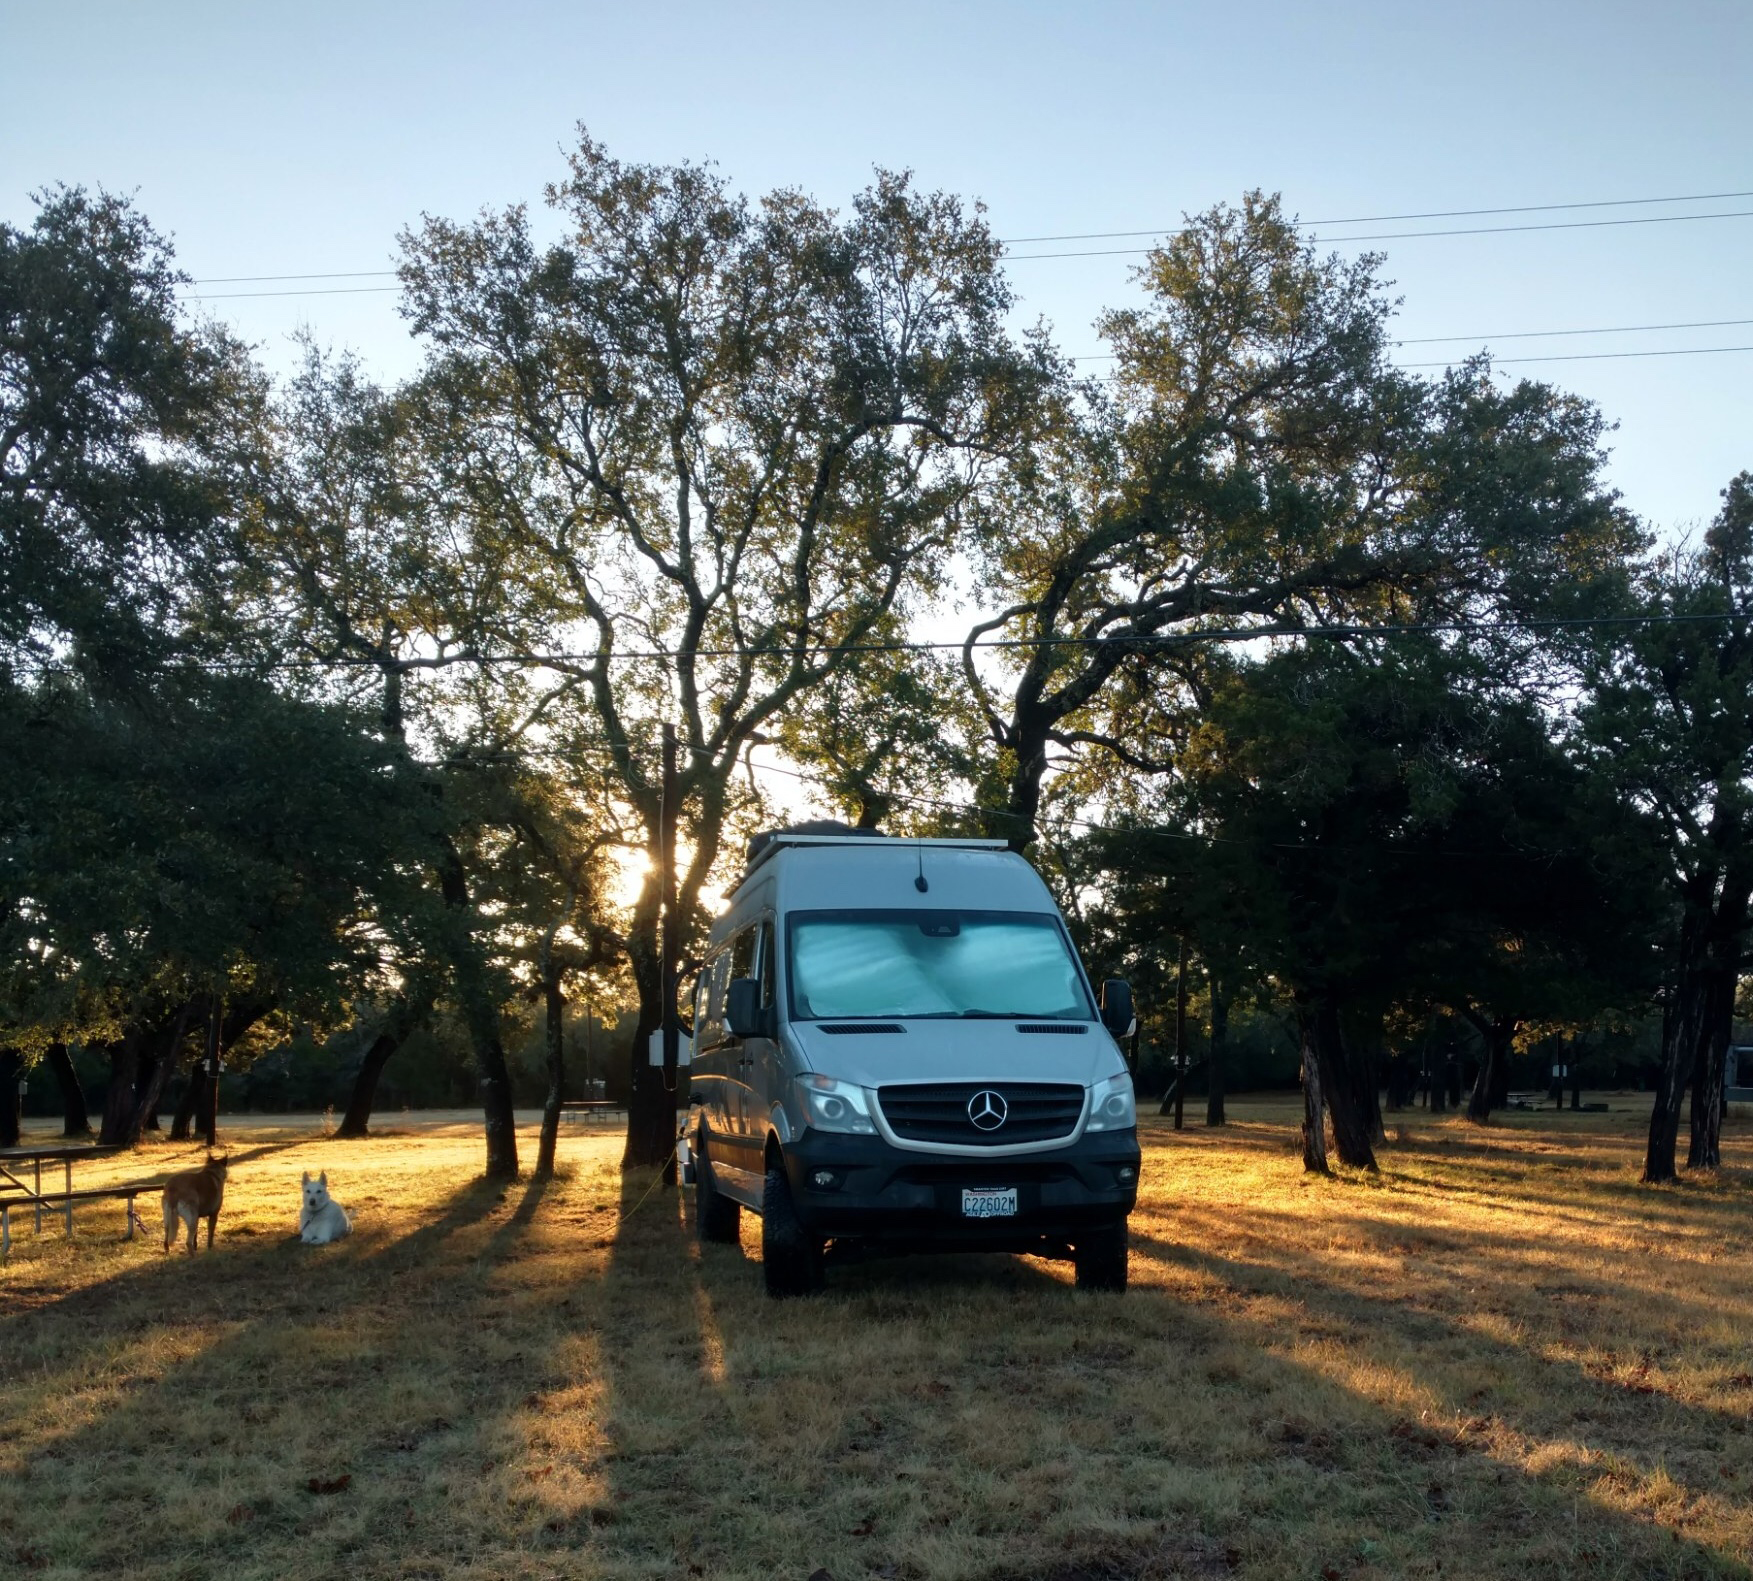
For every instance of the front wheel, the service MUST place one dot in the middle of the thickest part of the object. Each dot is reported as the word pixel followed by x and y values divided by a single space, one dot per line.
pixel 716 1217
pixel 791 1257
pixel 1100 1258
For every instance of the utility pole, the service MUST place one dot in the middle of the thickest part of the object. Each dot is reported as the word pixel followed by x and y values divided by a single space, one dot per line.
pixel 215 1011
pixel 1181 1032
pixel 669 944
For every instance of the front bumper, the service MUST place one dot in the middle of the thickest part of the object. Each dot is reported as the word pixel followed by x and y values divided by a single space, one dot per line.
pixel 904 1199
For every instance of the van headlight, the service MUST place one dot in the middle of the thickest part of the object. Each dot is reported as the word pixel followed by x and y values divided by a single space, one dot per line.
pixel 836 1105
pixel 1112 1106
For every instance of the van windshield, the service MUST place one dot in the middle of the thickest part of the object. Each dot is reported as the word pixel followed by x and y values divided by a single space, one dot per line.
pixel 933 963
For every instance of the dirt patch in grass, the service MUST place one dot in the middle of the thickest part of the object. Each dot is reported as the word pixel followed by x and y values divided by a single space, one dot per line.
pixel 1503 1358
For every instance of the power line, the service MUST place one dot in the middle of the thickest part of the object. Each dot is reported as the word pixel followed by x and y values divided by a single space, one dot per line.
pixel 1388 236
pixel 1595 356
pixel 1082 236
pixel 342 290
pixel 256 279
pixel 1531 334
pixel 1581 356
pixel 1378 219
pixel 1543 334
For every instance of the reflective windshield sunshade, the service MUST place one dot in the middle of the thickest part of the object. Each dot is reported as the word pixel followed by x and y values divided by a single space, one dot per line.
pixel 933 964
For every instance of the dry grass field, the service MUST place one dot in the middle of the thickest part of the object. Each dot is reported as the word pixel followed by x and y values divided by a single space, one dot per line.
pixel 1504 1358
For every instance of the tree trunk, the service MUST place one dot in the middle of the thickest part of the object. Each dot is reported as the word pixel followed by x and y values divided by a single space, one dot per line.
pixel 158 1060
pixel 1364 1061
pixel 1314 1120
pixel 404 1017
pixel 11 1099
pixel 118 1098
pixel 1705 1148
pixel 1341 1085
pixel 481 1016
pixel 481 1013
pixel 1495 1036
pixel 1220 1043
pixel 75 1119
pixel 1684 1029
pixel 556 1040
pixel 192 1103
pixel 146 1078
pixel 651 1107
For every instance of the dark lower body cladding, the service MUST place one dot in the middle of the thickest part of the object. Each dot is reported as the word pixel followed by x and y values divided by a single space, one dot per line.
pixel 859 1188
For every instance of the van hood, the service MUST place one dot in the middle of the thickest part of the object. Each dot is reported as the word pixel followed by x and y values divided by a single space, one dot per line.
pixel 978 1050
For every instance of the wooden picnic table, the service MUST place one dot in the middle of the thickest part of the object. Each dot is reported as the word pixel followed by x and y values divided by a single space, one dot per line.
pixel 16 1191
pixel 584 1108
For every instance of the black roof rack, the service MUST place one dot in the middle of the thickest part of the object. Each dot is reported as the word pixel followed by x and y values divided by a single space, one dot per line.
pixel 769 839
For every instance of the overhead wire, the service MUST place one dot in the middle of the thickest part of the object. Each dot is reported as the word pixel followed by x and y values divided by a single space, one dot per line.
pixel 1389 236
pixel 1382 219
pixel 1169 230
pixel 1519 334
pixel 1593 356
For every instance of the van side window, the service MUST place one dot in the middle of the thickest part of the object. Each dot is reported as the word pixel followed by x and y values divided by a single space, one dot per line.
pixel 709 1001
pixel 768 974
pixel 742 953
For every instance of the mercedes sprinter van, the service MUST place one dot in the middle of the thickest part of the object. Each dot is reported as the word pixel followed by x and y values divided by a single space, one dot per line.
pixel 896 1047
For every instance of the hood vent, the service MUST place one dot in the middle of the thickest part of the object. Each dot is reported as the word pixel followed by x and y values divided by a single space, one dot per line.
pixel 1061 1029
pixel 846 1029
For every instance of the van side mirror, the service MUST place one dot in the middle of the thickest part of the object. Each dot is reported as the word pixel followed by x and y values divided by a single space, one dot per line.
pixel 1118 1015
pixel 742 1008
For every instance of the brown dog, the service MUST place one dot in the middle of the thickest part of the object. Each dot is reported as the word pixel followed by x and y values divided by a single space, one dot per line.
pixel 192 1196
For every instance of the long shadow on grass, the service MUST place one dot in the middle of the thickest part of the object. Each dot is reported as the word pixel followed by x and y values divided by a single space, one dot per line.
pixel 978 1418
pixel 1628 1421
pixel 1509 1254
pixel 279 1446
pixel 920 1417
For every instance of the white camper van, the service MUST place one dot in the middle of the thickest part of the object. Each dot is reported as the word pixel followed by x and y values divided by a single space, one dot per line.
pixel 896 1047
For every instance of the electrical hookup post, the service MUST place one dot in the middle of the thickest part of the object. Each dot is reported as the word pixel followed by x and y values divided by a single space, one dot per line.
pixel 214 1062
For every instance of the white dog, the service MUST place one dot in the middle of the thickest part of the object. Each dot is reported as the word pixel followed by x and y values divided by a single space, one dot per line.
pixel 321 1219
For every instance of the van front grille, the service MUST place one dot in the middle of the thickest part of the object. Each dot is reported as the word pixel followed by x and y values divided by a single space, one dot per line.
pixel 948 1112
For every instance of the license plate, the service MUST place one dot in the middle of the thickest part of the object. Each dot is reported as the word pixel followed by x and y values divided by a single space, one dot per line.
pixel 989 1202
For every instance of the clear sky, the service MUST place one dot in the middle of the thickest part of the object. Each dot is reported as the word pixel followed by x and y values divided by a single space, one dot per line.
pixel 285 139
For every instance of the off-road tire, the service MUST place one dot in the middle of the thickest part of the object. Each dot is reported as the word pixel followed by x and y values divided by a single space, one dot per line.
pixel 791 1257
pixel 1100 1258
pixel 716 1217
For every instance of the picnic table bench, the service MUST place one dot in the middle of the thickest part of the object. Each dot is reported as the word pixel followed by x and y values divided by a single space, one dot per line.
pixel 584 1108
pixel 17 1192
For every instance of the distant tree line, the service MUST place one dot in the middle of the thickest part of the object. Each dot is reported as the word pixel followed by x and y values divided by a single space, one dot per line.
pixel 331 712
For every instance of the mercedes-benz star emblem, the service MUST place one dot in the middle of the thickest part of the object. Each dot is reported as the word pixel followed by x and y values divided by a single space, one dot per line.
pixel 987 1109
